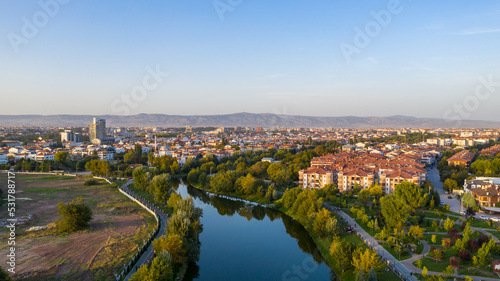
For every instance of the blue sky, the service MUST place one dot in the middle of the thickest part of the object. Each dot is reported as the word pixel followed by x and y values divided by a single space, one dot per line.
pixel 280 56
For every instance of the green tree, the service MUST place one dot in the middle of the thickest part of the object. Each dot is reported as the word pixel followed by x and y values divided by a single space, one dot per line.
pixel 468 200
pixel 247 184
pixel 159 270
pixel 174 168
pixel 341 252
pixel 361 276
pixel 73 216
pixel 438 255
pixel 365 260
pixel 364 196
pixel 332 227
pixel 376 190
pixel 393 210
pixel 424 271
pixel 450 185
pixel 320 221
pixel 482 257
pixel 62 156
pixel 459 246
pixel 173 244
pixel 172 201
pixel 141 177
pixel 411 194
pixel 448 224
pixel 448 272
pixel 223 182
pixel 161 187
pixel 372 275
pixel 269 195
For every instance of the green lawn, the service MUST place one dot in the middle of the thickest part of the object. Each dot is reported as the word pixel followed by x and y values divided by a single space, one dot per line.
pixel 495 233
pixel 483 224
pixel 30 178
pixel 466 268
pixel 439 238
pixel 405 255
pixel 45 190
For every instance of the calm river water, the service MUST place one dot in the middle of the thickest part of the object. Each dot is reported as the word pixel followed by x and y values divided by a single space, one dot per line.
pixel 244 242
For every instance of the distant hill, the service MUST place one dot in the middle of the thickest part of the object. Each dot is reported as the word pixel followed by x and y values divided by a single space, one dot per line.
pixel 240 120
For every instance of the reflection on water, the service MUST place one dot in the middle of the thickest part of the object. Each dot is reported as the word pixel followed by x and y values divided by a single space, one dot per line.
pixel 243 241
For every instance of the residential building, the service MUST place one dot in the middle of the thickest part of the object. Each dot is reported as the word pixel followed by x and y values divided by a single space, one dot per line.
pixel 68 135
pixel 463 158
pixel 485 190
pixel 315 178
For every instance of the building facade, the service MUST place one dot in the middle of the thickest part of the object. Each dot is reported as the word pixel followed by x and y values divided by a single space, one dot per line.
pixel 97 130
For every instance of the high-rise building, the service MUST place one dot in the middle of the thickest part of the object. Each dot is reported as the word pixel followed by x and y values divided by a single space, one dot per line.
pixel 97 130
pixel 68 135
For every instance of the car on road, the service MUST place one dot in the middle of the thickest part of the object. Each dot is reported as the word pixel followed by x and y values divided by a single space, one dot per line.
pixel 484 217
pixel 495 219
pixel 449 197
pixel 442 203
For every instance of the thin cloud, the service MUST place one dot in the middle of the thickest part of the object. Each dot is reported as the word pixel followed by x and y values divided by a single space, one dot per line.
pixel 478 31
pixel 274 76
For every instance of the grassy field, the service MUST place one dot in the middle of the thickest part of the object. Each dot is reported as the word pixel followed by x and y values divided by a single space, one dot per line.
pixel 118 227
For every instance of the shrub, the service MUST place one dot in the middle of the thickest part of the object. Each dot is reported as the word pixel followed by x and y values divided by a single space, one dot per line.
pixel 74 216
pixel 482 239
pixel 90 182
pixel 464 255
pixel 473 245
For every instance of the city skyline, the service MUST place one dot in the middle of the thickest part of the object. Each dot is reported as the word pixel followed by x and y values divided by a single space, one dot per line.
pixel 418 59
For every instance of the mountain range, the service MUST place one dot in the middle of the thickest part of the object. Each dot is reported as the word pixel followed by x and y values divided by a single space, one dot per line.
pixel 241 120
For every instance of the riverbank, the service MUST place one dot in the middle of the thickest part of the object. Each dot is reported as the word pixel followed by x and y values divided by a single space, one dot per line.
pixel 322 244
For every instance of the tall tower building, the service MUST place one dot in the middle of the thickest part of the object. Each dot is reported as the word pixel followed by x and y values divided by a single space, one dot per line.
pixel 97 130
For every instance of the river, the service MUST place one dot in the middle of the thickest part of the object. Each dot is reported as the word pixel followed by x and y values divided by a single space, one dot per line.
pixel 244 242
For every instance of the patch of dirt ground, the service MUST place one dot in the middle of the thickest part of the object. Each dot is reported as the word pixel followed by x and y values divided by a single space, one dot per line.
pixel 118 227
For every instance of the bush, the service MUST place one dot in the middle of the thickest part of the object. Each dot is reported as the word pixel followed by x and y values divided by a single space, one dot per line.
pixel 473 245
pixel 464 255
pixel 90 182
pixel 74 216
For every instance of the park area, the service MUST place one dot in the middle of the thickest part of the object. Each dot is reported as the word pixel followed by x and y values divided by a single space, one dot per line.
pixel 118 227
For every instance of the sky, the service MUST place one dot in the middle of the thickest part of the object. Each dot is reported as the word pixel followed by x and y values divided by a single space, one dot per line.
pixel 420 58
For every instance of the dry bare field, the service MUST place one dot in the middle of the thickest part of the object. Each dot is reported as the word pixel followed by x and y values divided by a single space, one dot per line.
pixel 118 227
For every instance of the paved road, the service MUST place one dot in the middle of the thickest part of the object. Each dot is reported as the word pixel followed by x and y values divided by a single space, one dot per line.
pixel 148 255
pixel 433 176
pixel 455 204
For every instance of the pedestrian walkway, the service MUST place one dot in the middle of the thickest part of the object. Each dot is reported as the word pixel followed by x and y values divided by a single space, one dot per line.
pixel 393 263
pixel 149 254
